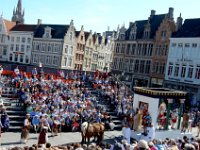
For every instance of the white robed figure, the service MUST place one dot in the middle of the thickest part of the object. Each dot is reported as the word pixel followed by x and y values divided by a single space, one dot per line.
pixel 150 133
pixel 126 132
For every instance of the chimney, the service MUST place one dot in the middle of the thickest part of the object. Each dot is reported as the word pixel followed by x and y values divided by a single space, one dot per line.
pixel 130 24
pixel 39 21
pixel 171 13
pixel 179 22
pixel 153 12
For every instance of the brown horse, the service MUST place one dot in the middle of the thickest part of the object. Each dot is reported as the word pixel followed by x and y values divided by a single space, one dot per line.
pixel 89 130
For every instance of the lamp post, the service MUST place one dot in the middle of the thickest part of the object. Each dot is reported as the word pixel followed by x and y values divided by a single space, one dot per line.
pixel 180 113
pixel 168 113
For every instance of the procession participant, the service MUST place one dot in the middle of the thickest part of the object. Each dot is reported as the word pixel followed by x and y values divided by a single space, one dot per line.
pixel 151 132
pixel 43 137
pixel 25 129
pixel 185 122
pixel 34 72
pixel 126 131
pixel 173 119
pixel 1 70
pixel 136 120
pixel 198 123
pixel 36 122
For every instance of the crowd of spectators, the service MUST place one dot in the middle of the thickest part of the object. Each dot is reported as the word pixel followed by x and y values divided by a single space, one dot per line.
pixel 61 100
pixel 167 144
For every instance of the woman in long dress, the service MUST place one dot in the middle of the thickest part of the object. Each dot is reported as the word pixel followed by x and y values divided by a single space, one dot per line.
pixel 25 129
pixel 136 120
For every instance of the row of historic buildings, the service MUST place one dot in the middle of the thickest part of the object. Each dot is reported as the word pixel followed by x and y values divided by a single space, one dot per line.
pixel 54 46
pixel 159 52
pixel 140 52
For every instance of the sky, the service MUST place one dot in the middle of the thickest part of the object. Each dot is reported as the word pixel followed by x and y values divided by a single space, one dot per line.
pixel 98 15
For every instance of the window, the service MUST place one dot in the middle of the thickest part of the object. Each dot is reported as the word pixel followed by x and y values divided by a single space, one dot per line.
pixel 11 57
pixel 71 50
pixel 123 48
pixel 81 38
pixel 16 57
pixel 18 39
pixel 22 48
pixel 142 66
pixel 12 47
pixel 29 40
pixel 173 44
pixel 66 49
pixel 43 47
pixel 23 40
pixel 170 69
pixel 17 48
pixel 12 39
pixel 128 49
pixel 49 47
pixel 38 46
pixel 180 45
pixel 57 48
pixel 148 65
pixel 28 48
pixel 47 60
pixel 1 27
pixel 197 73
pixel 70 36
pixel 176 71
pixel 187 44
pixel 194 45
pixel 21 58
pixel 131 65
pixel 133 47
pixel 54 60
pixel 27 60
pixel 70 62
pixel 4 50
pixel 183 71
pixel 190 72
pixel 136 65
pixel 65 61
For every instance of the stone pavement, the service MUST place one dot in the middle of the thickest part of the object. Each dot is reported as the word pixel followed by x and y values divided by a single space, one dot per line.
pixel 13 139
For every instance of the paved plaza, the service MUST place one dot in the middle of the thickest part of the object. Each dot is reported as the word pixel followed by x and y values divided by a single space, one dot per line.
pixel 13 139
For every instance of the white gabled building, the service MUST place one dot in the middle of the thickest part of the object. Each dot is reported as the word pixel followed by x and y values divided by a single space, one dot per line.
pixel 183 64
pixel 5 27
pixel 53 45
pixel 20 43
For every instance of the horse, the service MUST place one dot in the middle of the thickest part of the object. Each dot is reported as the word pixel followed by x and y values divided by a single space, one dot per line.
pixel 89 130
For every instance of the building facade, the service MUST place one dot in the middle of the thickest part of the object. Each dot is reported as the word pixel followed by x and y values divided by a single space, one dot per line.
pixel 160 49
pixel 88 51
pixel 96 46
pixel 134 55
pixel 80 49
pixel 20 43
pixel 5 27
pixel 183 64
pixel 69 46
pixel 53 46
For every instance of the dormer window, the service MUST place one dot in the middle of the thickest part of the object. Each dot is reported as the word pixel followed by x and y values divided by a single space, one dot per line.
pixel 146 34
pixel 47 33
pixel 133 34
pixel 122 36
